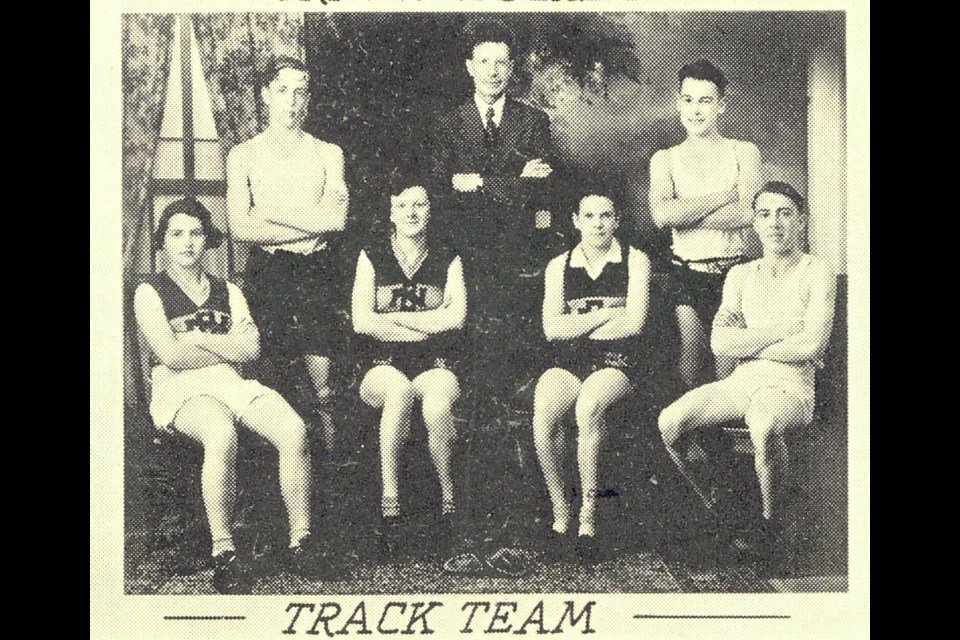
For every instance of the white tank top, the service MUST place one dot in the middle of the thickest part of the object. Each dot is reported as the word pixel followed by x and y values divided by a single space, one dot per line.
pixel 292 182
pixel 704 244
pixel 786 303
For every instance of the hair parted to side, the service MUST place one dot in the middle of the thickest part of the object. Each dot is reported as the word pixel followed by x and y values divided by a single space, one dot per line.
pixel 704 70
pixel 783 189
pixel 190 207
pixel 487 30
pixel 398 181
pixel 279 63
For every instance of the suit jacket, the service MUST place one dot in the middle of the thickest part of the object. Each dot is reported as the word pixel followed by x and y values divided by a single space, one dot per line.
pixel 504 203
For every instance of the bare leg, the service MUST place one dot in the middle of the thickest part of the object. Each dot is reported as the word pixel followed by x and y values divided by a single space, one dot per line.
pixel 555 394
pixel 693 346
pixel 770 414
pixel 386 388
pixel 318 367
pixel 438 389
pixel 210 423
pixel 599 391
pixel 702 407
pixel 271 417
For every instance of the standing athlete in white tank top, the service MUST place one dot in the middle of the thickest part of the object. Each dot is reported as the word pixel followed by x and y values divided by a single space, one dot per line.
pixel 701 190
pixel 775 319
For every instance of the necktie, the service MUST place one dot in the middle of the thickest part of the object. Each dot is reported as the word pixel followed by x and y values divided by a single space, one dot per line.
pixel 491 127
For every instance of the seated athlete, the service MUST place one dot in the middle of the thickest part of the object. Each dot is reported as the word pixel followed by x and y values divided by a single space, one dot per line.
pixel 701 189
pixel 775 319
pixel 198 329
pixel 594 308
pixel 409 298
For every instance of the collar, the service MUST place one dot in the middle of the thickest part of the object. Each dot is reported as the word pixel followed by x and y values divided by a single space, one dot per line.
pixel 482 107
pixel 612 256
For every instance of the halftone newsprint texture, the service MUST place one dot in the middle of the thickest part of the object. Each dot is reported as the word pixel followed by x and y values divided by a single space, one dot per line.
pixel 527 317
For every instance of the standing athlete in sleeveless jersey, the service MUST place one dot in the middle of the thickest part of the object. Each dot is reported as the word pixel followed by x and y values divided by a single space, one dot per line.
pixel 701 190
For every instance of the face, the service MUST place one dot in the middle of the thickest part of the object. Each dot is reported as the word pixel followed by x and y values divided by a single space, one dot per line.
pixel 700 106
pixel 286 98
pixel 410 211
pixel 185 240
pixel 596 221
pixel 490 67
pixel 778 223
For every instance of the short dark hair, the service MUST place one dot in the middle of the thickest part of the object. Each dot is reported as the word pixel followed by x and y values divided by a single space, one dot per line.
pixel 279 63
pixel 783 189
pixel 704 70
pixel 190 207
pixel 597 193
pixel 398 181
pixel 488 31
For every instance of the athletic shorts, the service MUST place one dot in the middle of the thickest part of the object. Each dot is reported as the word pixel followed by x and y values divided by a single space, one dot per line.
pixel 409 358
pixel 296 301
pixel 752 377
pixel 583 360
pixel 698 289
pixel 170 390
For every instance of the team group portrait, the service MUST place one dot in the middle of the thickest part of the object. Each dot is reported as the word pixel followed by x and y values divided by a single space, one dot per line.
pixel 466 303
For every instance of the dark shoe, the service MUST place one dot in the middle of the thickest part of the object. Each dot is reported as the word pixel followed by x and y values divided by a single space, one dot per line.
pixel 231 573
pixel 391 539
pixel 589 550
pixel 557 547
pixel 311 561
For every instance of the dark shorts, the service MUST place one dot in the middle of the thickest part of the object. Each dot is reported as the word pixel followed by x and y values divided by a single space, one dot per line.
pixel 409 359
pixel 697 289
pixel 297 301
pixel 583 360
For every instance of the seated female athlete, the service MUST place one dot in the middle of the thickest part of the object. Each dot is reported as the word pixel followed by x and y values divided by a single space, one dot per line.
pixel 594 308
pixel 775 319
pixel 198 329
pixel 410 300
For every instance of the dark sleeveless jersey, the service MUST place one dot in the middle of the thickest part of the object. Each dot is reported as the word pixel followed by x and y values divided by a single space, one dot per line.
pixel 213 316
pixel 422 291
pixel 582 294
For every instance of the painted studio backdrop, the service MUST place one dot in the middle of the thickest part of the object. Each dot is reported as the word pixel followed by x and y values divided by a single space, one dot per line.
pixel 378 81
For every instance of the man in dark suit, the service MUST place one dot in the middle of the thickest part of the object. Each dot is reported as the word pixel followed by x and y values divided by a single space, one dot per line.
pixel 491 166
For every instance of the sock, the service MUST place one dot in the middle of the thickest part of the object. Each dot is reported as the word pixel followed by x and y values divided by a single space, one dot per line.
pixel 221 545
pixel 588 511
pixel 448 508
pixel 297 536
pixel 561 518
pixel 390 506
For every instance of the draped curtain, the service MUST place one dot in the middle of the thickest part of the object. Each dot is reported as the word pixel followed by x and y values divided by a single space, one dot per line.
pixel 145 65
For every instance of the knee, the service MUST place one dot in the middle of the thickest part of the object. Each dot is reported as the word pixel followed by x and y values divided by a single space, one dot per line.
pixel 589 415
pixel 399 396
pixel 437 410
pixel 220 441
pixel 766 430
pixel 670 423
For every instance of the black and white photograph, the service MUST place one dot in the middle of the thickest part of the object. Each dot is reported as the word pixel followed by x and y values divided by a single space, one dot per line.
pixel 551 308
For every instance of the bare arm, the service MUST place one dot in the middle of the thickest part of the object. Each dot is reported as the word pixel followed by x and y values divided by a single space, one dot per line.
pixel 242 342
pixel 811 341
pixel 330 211
pixel 452 314
pixel 739 213
pixel 173 350
pixel 670 211
pixel 558 325
pixel 629 321
pixel 365 318
pixel 244 225
pixel 730 336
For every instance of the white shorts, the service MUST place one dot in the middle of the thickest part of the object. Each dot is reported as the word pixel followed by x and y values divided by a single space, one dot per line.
pixel 172 389
pixel 754 376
